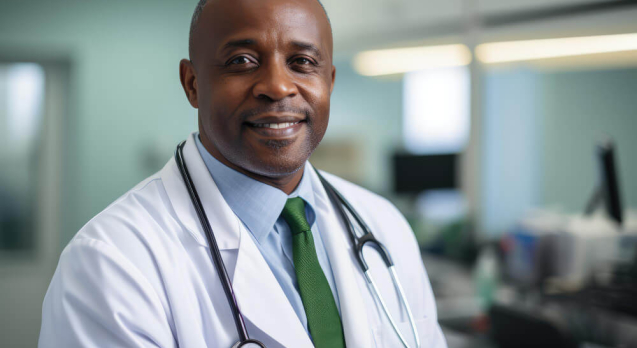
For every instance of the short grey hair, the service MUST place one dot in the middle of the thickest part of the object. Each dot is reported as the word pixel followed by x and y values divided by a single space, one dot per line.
pixel 195 20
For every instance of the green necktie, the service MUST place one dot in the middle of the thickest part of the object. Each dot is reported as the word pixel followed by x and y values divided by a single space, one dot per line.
pixel 323 319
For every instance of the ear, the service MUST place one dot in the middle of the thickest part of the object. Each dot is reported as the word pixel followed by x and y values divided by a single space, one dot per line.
pixel 189 81
pixel 333 78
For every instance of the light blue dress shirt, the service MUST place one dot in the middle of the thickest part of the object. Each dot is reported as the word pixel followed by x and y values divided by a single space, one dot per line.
pixel 259 207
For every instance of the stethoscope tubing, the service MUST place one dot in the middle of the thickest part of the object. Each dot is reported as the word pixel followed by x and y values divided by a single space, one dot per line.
pixel 358 243
pixel 215 253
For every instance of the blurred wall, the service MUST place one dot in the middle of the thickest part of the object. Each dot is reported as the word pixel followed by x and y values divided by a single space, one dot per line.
pixel 127 107
pixel 510 181
pixel 367 111
pixel 124 94
pixel 580 109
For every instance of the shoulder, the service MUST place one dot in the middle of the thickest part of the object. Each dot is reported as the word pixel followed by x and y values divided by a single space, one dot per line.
pixel 108 268
pixel 143 206
pixel 139 227
pixel 123 244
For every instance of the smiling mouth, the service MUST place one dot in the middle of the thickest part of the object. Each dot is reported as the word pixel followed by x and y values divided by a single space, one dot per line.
pixel 277 130
pixel 280 125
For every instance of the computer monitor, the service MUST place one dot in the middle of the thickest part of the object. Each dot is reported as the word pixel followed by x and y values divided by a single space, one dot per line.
pixel 608 190
pixel 418 173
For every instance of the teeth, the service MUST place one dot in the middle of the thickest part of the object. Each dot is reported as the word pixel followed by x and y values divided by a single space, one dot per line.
pixel 275 125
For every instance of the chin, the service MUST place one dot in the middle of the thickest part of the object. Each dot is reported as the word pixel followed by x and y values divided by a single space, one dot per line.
pixel 273 158
pixel 279 162
pixel 277 166
pixel 279 171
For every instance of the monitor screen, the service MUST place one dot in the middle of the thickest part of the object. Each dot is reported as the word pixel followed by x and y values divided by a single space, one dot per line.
pixel 607 191
pixel 609 181
pixel 417 173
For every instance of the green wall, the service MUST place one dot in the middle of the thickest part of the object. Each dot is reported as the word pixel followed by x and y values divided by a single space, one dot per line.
pixel 539 134
pixel 580 109
pixel 126 104
pixel 369 111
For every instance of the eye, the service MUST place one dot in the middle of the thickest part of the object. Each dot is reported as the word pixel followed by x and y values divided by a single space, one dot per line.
pixel 242 63
pixel 303 61
pixel 239 60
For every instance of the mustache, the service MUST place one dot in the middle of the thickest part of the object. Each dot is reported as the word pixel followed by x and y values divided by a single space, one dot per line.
pixel 274 108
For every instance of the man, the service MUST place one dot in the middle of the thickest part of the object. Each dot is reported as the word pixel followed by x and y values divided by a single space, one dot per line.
pixel 140 273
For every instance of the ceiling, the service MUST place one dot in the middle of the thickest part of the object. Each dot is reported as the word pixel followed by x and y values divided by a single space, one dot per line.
pixel 363 24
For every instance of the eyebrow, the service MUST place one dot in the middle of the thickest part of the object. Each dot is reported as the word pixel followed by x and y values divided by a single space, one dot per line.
pixel 251 42
pixel 307 46
pixel 238 43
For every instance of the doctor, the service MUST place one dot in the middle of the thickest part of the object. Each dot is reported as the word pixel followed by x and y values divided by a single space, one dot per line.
pixel 139 274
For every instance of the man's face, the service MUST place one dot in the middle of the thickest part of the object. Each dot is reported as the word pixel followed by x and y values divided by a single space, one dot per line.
pixel 263 78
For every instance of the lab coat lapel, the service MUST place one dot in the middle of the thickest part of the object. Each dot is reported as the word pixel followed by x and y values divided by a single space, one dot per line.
pixel 220 216
pixel 262 300
pixel 353 310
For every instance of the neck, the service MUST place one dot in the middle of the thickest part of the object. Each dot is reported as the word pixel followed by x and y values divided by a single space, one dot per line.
pixel 286 183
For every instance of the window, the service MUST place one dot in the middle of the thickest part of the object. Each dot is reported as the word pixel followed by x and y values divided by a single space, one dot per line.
pixel 21 99
pixel 436 110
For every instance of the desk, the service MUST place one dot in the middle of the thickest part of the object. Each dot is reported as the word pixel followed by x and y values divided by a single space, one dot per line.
pixel 458 307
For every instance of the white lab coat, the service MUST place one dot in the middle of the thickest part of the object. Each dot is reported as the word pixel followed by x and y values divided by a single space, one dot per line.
pixel 139 274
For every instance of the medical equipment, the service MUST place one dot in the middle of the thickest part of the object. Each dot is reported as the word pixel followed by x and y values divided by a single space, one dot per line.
pixel 358 242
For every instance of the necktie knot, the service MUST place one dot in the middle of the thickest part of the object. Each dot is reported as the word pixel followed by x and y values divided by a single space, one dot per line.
pixel 294 215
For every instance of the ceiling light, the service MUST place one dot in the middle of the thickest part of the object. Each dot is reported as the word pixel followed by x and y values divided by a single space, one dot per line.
pixel 511 51
pixel 402 60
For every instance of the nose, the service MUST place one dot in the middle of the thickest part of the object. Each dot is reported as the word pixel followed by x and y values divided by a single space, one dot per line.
pixel 274 83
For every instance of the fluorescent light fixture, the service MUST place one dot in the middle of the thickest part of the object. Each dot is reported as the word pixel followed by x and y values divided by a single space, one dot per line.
pixel 402 60
pixel 511 51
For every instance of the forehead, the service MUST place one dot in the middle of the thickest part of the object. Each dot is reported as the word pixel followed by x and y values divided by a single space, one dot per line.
pixel 268 22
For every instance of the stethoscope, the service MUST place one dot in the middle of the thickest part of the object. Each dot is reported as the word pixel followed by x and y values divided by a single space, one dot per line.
pixel 358 242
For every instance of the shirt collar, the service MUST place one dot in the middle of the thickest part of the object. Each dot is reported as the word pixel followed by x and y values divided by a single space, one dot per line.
pixel 258 205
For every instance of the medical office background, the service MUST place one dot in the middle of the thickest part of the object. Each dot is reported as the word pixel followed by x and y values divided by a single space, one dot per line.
pixel 90 104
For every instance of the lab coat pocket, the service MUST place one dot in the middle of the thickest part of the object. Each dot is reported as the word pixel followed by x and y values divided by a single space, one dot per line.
pixel 386 337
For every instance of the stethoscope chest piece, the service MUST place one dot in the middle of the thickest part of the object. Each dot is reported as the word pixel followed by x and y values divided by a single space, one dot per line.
pixel 249 344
